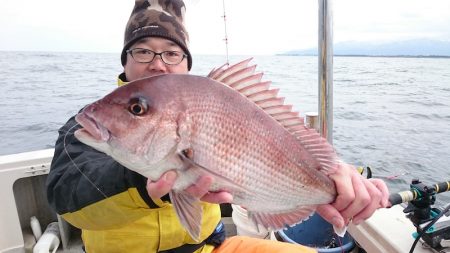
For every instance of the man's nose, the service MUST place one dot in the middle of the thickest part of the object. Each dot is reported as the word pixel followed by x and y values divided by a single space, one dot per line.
pixel 157 63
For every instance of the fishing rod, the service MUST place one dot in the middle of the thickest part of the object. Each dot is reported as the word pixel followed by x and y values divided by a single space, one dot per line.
pixel 226 34
pixel 418 191
pixel 432 224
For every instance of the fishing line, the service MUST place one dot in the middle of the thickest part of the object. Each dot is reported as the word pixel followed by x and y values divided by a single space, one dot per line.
pixel 226 34
pixel 76 166
pixel 395 176
pixel 106 198
pixel 93 160
pixel 340 243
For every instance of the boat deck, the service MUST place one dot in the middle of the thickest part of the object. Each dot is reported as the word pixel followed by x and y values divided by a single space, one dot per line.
pixel 388 230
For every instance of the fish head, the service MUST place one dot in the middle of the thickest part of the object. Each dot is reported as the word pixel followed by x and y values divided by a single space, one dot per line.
pixel 136 124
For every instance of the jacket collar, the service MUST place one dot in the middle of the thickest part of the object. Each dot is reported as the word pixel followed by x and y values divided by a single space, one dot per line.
pixel 122 79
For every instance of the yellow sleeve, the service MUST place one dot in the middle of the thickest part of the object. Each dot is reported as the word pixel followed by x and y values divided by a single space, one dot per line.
pixel 113 212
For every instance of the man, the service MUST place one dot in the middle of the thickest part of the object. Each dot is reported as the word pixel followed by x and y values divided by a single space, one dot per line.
pixel 119 210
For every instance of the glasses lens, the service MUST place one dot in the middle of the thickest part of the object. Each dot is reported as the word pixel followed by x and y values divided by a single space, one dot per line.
pixel 172 57
pixel 142 55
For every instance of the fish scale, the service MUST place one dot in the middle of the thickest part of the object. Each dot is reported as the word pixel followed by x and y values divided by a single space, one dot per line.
pixel 253 145
pixel 214 138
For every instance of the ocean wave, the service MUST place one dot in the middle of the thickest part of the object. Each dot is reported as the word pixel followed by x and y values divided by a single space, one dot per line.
pixel 425 103
pixel 390 114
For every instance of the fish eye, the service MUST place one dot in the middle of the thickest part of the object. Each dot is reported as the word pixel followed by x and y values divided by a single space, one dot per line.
pixel 138 106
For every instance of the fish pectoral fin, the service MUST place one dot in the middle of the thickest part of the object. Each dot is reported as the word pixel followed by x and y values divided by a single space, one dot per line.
pixel 189 212
pixel 277 221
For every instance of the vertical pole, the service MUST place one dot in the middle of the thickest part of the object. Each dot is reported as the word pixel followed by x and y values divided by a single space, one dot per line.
pixel 326 69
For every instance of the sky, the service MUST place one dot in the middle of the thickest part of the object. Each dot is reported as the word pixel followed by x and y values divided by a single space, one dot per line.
pixel 254 27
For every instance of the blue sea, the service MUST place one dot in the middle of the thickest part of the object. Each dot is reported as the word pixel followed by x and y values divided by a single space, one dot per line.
pixel 392 114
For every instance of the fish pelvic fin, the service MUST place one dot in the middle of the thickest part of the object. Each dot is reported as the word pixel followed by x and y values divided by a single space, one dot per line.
pixel 243 78
pixel 189 212
pixel 277 221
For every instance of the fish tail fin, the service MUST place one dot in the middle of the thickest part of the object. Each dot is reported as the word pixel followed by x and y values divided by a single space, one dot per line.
pixel 277 221
pixel 340 231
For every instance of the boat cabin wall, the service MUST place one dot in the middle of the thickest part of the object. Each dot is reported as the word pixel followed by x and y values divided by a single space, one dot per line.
pixel 30 198
pixel 23 195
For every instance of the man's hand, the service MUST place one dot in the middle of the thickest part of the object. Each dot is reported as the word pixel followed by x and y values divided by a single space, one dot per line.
pixel 159 188
pixel 357 197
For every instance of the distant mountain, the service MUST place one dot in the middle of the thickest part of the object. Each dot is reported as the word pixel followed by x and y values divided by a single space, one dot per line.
pixel 419 47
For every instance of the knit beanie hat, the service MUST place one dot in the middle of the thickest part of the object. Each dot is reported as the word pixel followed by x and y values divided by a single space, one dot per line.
pixel 157 18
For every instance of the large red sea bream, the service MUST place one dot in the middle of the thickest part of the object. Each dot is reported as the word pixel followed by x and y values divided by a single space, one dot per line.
pixel 229 125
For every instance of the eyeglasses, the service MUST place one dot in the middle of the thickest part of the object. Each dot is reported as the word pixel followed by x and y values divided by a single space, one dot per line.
pixel 143 55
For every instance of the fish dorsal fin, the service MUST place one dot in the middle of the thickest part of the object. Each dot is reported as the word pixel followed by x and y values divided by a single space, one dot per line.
pixel 222 72
pixel 239 75
pixel 247 81
pixel 270 102
pixel 242 78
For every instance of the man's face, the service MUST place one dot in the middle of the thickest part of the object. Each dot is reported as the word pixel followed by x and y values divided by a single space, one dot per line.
pixel 135 70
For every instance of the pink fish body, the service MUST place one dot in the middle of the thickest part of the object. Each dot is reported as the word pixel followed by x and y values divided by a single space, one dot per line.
pixel 234 128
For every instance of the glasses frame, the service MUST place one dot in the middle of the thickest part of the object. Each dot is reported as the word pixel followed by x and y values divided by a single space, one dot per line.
pixel 160 54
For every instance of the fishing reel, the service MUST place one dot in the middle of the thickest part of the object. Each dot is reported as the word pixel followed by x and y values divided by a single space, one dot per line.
pixel 432 223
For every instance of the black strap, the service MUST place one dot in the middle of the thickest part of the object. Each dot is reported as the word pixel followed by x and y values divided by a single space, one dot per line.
pixel 215 239
pixel 186 248
pixel 218 236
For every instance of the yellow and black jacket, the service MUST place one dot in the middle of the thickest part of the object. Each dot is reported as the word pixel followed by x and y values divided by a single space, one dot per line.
pixel 110 204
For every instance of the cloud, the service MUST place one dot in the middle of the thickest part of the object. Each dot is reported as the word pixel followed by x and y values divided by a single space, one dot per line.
pixel 253 27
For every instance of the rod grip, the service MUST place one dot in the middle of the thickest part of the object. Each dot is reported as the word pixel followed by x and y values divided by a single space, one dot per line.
pixel 400 197
pixel 442 187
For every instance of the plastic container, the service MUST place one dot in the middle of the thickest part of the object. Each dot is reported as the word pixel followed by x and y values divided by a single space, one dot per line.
pixel 317 233
pixel 49 241
pixel 244 226
pixel 311 120
pixel 35 227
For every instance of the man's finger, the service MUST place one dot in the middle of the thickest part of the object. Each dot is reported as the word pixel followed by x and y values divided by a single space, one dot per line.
pixel 201 187
pixel 375 196
pixel 331 214
pixel 361 200
pixel 344 188
pixel 217 197
pixel 380 185
pixel 157 189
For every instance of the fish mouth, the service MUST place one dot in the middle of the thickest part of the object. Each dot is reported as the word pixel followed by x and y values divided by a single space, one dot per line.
pixel 92 130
